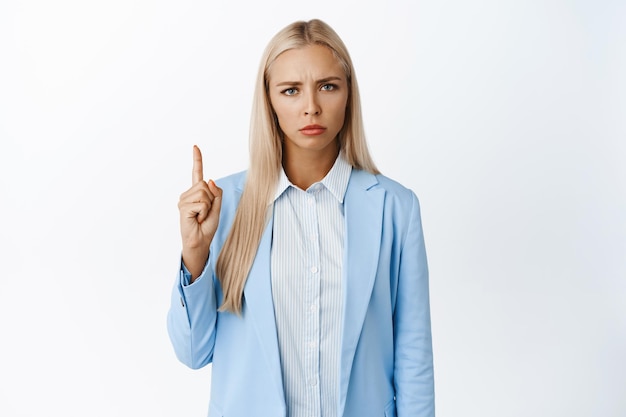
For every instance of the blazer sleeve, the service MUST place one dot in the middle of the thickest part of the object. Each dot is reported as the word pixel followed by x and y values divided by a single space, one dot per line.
pixel 413 362
pixel 192 318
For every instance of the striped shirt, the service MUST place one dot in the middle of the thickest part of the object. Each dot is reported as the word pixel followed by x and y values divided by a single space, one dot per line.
pixel 306 275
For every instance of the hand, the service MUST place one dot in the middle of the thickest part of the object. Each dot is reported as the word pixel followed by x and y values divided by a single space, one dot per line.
pixel 199 209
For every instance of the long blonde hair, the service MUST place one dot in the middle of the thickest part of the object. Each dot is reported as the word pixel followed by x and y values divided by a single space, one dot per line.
pixel 239 250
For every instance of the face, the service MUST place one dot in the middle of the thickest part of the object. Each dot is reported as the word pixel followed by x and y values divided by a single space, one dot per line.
pixel 308 91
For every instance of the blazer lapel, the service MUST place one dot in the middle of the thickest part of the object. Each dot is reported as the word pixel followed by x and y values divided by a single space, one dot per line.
pixel 259 307
pixel 364 213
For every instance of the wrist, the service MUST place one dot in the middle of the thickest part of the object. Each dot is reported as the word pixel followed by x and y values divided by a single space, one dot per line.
pixel 195 259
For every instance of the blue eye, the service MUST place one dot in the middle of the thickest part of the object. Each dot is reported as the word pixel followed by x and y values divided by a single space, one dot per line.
pixel 289 92
pixel 328 87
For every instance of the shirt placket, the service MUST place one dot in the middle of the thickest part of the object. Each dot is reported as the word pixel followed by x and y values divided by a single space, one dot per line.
pixel 313 286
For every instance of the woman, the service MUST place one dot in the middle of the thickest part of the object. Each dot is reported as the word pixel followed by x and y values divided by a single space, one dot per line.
pixel 304 281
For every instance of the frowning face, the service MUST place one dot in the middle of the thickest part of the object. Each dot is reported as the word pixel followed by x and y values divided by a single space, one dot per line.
pixel 308 91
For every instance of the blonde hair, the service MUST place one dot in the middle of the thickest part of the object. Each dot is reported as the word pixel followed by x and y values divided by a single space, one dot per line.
pixel 239 250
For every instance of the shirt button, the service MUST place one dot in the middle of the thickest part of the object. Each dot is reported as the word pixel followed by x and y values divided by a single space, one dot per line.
pixel 313 381
pixel 310 200
pixel 313 307
pixel 314 269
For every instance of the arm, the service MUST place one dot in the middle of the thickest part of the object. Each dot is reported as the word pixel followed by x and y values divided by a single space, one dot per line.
pixel 413 365
pixel 193 311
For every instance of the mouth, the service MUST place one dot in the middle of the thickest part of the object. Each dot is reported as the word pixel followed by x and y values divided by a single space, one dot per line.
pixel 312 130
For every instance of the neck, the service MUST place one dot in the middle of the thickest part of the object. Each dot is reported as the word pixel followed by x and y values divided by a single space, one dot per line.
pixel 306 167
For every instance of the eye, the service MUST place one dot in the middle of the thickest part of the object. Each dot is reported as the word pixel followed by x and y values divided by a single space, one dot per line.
pixel 289 91
pixel 328 87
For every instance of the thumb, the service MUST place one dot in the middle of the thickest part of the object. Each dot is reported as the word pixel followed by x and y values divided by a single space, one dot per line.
pixel 216 206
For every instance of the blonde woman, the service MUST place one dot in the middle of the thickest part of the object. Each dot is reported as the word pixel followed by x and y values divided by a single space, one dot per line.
pixel 304 280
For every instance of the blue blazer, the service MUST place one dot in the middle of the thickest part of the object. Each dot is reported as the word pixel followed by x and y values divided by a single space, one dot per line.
pixel 386 365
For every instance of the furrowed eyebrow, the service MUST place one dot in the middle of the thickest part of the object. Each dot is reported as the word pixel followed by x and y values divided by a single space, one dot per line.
pixel 327 79
pixel 288 83
pixel 321 81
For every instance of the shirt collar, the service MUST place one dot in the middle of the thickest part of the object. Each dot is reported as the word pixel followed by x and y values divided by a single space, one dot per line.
pixel 336 181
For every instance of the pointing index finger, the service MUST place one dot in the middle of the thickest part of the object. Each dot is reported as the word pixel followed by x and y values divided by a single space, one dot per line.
pixel 196 174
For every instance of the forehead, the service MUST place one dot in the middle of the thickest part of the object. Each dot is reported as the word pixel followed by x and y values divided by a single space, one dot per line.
pixel 312 61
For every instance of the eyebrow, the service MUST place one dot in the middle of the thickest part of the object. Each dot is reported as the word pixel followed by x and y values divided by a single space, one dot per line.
pixel 320 81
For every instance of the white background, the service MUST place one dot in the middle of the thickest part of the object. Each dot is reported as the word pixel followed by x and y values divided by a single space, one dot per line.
pixel 507 118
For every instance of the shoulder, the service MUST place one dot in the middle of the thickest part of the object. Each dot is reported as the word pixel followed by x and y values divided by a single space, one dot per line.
pixel 232 182
pixel 398 203
pixel 395 192
pixel 401 200
pixel 394 188
pixel 232 188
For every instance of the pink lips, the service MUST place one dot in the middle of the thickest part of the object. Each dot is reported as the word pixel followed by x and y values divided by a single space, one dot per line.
pixel 312 130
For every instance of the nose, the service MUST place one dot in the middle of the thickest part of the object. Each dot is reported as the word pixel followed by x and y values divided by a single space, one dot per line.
pixel 312 107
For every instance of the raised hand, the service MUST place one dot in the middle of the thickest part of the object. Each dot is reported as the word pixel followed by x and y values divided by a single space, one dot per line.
pixel 199 209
